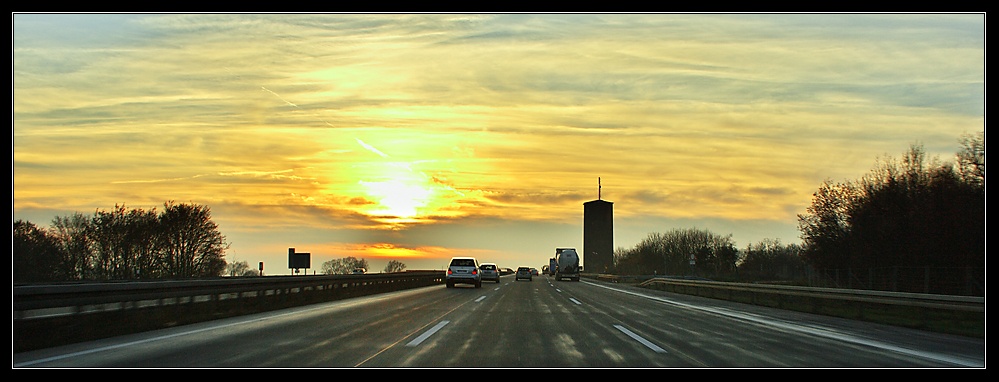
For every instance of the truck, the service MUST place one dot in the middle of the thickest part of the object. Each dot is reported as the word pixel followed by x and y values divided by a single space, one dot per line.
pixel 552 266
pixel 567 264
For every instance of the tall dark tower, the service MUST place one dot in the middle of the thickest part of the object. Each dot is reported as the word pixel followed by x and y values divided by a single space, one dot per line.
pixel 598 235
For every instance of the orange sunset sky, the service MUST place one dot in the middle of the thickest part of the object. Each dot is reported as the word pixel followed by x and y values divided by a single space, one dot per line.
pixel 418 137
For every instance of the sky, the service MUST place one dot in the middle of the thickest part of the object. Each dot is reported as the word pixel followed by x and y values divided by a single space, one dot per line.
pixel 418 137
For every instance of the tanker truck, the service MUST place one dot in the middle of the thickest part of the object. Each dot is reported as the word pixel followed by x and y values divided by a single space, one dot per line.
pixel 567 262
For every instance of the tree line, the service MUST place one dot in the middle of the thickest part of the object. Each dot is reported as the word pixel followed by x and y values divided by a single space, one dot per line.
pixel 911 222
pixel 347 265
pixel 906 216
pixel 179 242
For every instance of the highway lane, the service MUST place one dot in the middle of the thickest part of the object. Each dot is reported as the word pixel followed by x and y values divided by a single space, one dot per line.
pixel 531 324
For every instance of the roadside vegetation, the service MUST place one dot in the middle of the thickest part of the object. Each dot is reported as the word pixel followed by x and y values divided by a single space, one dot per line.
pixel 180 242
pixel 912 224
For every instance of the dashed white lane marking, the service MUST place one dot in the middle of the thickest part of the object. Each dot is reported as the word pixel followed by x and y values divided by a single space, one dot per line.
pixel 639 338
pixel 428 333
pixel 828 333
pixel 575 301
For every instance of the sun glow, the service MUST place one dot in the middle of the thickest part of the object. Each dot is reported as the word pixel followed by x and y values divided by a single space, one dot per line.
pixel 398 198
pixel 408 178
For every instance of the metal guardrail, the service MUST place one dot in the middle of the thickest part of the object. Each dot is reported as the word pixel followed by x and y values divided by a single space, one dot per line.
pixel 52 315
pixel 943 302
pixel 35 301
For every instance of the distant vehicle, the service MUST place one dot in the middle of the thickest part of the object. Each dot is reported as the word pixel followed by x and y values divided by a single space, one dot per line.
pixel 489 272
pixel 567 264
pixel 463 270
pixel 552 266
pixel 359 271
pixel 524 273
pixel 534 271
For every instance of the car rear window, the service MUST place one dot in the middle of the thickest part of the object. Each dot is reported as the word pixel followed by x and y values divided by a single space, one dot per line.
pixel 463 262
pixel 489 267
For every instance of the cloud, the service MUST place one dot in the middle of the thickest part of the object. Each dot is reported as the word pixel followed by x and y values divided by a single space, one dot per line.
pixel 505 120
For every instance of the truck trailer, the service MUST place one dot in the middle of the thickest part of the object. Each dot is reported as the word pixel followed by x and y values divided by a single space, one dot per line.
pixel 567 264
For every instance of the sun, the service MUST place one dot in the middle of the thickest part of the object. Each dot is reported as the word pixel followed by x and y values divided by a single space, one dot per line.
pixel 398 198
pixel 410 185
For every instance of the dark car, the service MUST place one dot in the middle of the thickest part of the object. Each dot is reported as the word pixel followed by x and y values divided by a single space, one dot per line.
pixel 524 273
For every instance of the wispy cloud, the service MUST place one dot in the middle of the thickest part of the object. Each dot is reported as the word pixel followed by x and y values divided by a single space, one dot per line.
pixel 490 117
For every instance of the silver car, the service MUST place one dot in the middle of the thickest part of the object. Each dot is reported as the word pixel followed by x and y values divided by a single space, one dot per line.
pixel 489 272
pixel 463 270
pixel 523 273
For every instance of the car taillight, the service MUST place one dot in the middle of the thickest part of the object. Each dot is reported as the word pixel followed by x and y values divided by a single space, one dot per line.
pixel 475 271
pixel 449 271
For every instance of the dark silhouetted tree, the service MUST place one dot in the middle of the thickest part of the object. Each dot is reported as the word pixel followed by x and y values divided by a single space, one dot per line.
pixel 394 266
pixel 911 214
pixel 110 250
pixel 71 235
pixel 771 260
pixel 825 225
pixel 190 244
pixel 971 160
pixel 342 266
pixel 671 253
pixel 240 269
pixel 36 256
pixel 123 244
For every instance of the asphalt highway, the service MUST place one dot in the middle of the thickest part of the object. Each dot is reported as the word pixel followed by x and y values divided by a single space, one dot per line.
pixel 540 323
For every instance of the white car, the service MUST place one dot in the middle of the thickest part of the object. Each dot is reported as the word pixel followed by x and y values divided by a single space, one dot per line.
pixel 463 270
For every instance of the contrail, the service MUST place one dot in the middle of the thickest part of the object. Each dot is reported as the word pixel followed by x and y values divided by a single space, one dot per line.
pixel 281 98
pixel 296 106
pixel 371 148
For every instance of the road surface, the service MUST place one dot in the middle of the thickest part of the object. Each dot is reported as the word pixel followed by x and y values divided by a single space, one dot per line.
pixel 523 324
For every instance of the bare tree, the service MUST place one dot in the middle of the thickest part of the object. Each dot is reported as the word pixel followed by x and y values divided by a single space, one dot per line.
pixel 395 266
pixel 240 269
pixel 190 243
pixel 906 215
pixel 971 159
pixel 70 234
pixel 36 257
pixel 107 234
pixel 680 252
pixel 343 265
pixel 771 260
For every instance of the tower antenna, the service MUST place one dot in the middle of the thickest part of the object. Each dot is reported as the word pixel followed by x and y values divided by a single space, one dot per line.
pixel 598 188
